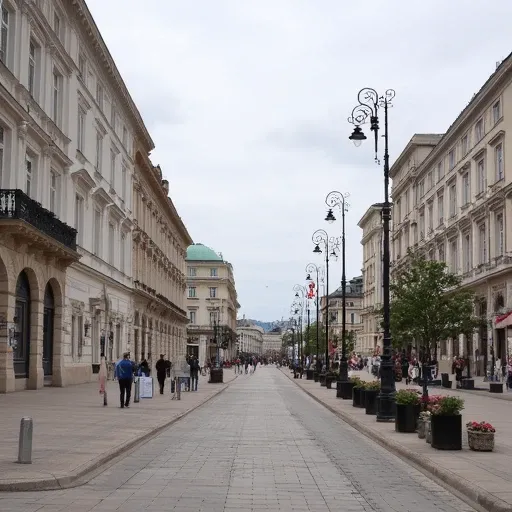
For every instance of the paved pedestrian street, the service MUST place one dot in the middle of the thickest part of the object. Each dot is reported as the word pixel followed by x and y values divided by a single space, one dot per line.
pixel 263 444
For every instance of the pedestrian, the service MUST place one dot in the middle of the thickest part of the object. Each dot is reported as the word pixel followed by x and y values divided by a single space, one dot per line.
pixel 161 372
pixel 124 374
pixel 194 373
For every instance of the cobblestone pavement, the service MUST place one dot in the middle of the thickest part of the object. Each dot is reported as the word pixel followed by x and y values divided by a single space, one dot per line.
pixel 261 445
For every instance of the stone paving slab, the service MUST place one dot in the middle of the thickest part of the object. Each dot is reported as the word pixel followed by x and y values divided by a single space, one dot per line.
pixel 75 435
pixel 485 478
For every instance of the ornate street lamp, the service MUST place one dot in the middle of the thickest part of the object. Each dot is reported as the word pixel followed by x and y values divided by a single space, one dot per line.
pixel 367 111
pixel 300 296
pixel 338 200
pixel 331 247
pixel 320 276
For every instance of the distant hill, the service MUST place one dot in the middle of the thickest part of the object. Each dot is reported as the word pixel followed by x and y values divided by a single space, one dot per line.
pixel 268 326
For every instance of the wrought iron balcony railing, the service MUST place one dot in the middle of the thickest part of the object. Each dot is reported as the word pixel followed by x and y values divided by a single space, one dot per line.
pixel 16 205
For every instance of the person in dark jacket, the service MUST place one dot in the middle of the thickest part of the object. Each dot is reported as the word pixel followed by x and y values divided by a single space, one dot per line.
pixel 124 374
pixel 194 373
pixel 161 372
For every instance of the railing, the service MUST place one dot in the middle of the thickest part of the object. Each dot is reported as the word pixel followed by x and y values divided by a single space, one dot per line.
pixel 15 204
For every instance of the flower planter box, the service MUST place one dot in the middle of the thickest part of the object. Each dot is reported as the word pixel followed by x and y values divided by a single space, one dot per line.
pixel 446 432
pixel 216 376
pixel 315 376
pixel 322 379
pixel 356 397
pixel 481 441
pixel 467 383
pixel 428 431
pixel 344 389
pixel 370 396
pixel 328 381
pixel 496 387
pixel 362 402
pixel 422 428
pixel 309 374
pixel 406 419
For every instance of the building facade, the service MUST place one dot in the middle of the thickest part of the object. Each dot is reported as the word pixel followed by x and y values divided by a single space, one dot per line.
pixel 250 338
pixel 369 340
pixel 273 343
pixel 452 196
pixel 212 305
pixel 160 241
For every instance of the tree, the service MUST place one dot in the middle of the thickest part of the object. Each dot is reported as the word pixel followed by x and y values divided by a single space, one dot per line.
pixel 428 305
pixel 310 339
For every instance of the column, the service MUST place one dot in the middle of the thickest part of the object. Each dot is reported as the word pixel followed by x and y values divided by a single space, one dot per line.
pixel 36 375
pixel 7 304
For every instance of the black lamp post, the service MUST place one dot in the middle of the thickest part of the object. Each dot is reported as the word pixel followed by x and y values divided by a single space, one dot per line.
pixel 331 248
pixel 338 200
pixel 367 111
pixel 300 296
pixel 319 270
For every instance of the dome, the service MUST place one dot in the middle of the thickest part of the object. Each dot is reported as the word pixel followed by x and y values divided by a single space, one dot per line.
pixel 199 252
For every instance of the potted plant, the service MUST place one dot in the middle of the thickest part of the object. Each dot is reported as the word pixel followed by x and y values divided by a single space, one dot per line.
pixel 362 394
pixel 371 391
pixel 423 420
pixel 321 378
pixel 330 377
pixel 446 423
pixel 407 410
pixel 356 392
pixel 480 436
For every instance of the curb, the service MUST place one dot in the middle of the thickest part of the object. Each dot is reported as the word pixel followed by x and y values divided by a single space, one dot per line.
pixel 480 497
pixel 89 470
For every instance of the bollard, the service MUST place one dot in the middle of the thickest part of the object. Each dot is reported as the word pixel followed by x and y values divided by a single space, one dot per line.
pixel 25 442
pixel 136 397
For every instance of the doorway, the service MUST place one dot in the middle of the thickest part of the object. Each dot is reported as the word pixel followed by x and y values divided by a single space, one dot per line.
pixel 21 352
pixel 48 324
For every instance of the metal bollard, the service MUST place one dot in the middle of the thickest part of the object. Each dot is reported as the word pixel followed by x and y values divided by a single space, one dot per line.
pixel 136 397
pixel 25 442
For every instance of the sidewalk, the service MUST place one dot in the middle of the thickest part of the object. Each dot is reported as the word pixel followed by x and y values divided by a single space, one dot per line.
pixel 74 434
pixel 483 478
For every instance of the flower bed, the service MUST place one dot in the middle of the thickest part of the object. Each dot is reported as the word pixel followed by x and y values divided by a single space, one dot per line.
pixel 480 436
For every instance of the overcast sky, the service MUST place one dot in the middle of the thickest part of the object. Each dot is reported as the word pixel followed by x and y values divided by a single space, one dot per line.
pixel 247 102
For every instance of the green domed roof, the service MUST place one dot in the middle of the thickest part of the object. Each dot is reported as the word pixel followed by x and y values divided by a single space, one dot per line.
pixel 199 252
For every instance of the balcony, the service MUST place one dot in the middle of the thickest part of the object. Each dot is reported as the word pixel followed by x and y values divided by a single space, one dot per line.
pixel 38 228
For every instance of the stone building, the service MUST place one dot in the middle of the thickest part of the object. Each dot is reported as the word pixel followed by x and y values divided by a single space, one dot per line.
pixel 273 342
pixel 212 305
pixel 453 202
pixel 160 241
pixel 250 338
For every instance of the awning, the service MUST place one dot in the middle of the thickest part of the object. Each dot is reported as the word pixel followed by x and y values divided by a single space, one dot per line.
pixel 503 321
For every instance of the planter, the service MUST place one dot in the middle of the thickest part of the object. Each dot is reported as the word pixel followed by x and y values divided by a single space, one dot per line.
pixel 362 402
pixel 496 387
pixel 467 383
pixel 328 381
pixel 421 428
pixel 428 431
pixel 322 379
pixel 315 376
pixel 344 389
pixel 481 441
pixel 446 432
pixel 216 376
pixel 356 397
pixel 406 418
pixel 371 400
pixel 309 374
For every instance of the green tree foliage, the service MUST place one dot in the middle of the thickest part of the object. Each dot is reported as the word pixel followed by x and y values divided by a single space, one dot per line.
pixel 428 305
pixel 310 339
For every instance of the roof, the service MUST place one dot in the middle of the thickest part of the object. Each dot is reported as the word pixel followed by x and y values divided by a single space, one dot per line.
pixel 200 252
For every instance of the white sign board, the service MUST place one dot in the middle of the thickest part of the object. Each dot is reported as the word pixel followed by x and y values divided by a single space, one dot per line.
pixel 146 387
pixel 181 369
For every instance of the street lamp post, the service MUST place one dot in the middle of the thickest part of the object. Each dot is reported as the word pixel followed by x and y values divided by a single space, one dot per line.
pixel 331 248
pixel 300 296
pixel 367 111
pixel 319 270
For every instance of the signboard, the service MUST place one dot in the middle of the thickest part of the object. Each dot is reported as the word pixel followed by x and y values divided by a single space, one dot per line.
pixel 146 387
pixel 181 369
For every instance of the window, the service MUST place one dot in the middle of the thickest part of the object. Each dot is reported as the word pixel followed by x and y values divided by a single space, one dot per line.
pixel 214 317
pixel 4 35
pixel 82 67
pixel 123 182
pixel 99 95
pixel 113 117
pixel 123 253
pixel 440 209
pixel 398 209
pixel 125 137
pixel 2 144
pixel 406 202
pixel 213 293
pixel 482 179
pixel 482 235
pixel 54 185
pixel 430 216
pixel 422 188
pixel 32 68
pixel 498 158
pixel 112 168
pixel 451 159
pixel 192 292
pixel 440 171
pixel 29 188
pixel 441 253
pixel 453 200
pixel 80 141
pixel 422 224
pixel 79 217
pixel 213 272
pixel 464 145
pixel 352 318
pixel 56 24
pixel 111 242
pixel 430 180
pixel 97 233
pixel 496 111
pixel 192 271
pixel 454 261
pixel 466 191
pixel 192 317
pixel 500 240
pixel 466 243
pixel 57 97
pixel 479 130
pixel 99 151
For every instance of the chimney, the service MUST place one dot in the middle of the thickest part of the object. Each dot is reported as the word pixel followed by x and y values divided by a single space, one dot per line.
pixel 165 185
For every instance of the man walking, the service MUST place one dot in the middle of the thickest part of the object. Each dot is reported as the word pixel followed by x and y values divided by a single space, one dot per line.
pixel 124 374
pixel 194 373
pixel 161 372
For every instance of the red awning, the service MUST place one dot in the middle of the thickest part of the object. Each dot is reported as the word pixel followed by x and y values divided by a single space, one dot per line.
pixel 503 320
